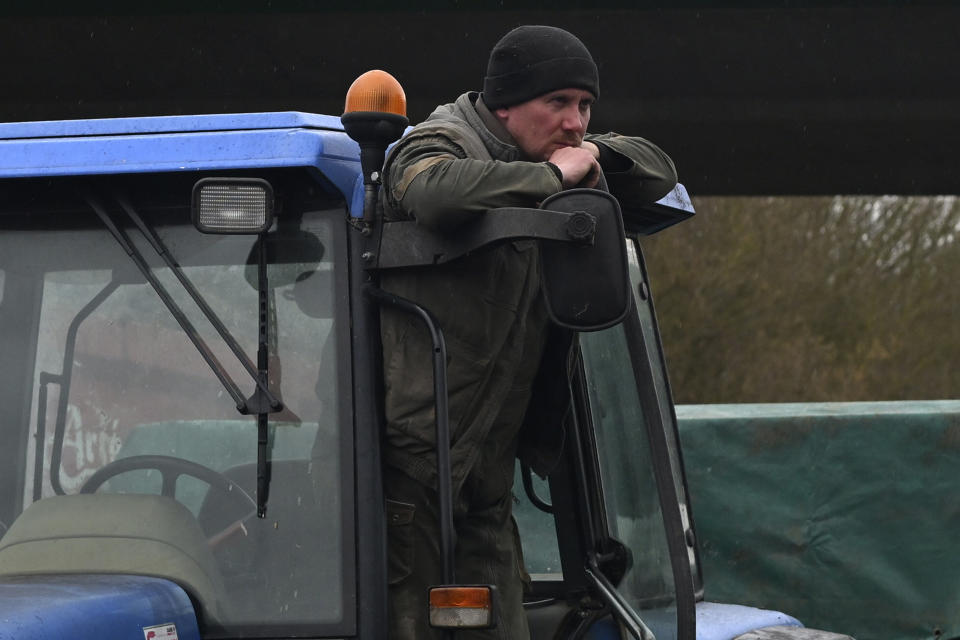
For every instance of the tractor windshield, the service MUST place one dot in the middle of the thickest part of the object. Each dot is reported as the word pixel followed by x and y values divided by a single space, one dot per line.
pixel 124 445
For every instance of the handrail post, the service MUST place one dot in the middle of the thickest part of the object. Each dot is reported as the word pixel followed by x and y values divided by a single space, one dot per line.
pixel 444 481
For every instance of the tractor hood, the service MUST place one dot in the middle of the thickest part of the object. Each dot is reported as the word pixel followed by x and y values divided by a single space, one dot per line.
pixel 105 607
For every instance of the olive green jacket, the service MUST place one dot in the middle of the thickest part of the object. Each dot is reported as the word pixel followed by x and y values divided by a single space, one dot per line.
pixel 457 164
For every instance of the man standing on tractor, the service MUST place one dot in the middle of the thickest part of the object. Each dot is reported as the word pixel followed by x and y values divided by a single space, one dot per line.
pixel 521 140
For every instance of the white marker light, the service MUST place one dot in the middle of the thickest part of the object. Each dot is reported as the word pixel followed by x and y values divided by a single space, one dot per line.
pixel 232 205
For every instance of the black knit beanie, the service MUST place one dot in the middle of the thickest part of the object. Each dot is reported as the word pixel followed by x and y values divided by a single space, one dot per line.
pixel 533 60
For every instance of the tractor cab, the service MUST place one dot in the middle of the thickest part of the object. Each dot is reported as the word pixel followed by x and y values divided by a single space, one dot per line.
pixel 190 373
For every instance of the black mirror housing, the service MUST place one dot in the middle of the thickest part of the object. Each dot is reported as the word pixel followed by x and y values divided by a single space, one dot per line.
pixel 587 286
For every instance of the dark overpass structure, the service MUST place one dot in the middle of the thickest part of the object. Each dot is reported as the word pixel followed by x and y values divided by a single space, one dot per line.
pixel 749 98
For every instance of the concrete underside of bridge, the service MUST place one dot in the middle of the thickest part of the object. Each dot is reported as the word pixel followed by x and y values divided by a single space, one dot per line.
pixel 751 98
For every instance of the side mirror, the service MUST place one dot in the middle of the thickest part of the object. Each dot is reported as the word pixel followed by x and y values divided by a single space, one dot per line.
pixel 587 286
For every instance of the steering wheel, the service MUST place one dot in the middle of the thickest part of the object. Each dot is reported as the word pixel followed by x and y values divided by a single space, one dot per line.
pixel 170 469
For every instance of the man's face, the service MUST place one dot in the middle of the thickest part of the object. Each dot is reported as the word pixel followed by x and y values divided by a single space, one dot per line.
pixel 546 123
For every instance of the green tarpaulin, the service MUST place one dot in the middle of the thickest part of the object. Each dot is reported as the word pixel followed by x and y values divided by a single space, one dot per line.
pixel 846 515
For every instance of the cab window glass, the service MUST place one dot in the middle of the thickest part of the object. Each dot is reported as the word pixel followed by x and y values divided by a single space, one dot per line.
pixel 629 486
pixel 648 328
pixel 538 533
pixel 110 378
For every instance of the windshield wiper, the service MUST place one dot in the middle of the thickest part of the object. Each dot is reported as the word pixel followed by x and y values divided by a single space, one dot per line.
pixel 254 404
pixel 262 402
pixel 208 356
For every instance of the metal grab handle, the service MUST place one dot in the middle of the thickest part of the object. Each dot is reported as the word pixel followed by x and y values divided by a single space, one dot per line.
pixel 444 483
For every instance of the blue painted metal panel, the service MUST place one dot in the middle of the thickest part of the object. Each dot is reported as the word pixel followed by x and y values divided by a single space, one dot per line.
pixel 603 629
pixel 168 124
pixel 184 143
pixel 726 621
pixel 99 607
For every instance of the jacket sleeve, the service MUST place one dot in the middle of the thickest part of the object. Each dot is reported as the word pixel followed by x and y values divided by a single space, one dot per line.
pixel 432 183
pixel 637 171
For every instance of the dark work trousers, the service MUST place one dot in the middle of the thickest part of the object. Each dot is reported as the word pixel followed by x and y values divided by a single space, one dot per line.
pixel 487 543
pixel 487 547
pixel 487 552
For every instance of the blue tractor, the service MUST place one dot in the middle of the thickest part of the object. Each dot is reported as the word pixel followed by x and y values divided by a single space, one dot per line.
pixel 190 369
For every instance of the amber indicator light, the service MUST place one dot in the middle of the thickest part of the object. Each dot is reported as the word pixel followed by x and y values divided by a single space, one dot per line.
pixel 376 91
pixel 459 597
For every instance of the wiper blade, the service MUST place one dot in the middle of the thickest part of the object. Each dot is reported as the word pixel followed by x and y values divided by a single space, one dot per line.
pixel 262 402
pixel 208 313
pixel 242 404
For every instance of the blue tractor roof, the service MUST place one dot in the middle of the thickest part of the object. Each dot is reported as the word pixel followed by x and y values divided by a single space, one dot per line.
pixel 218 142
